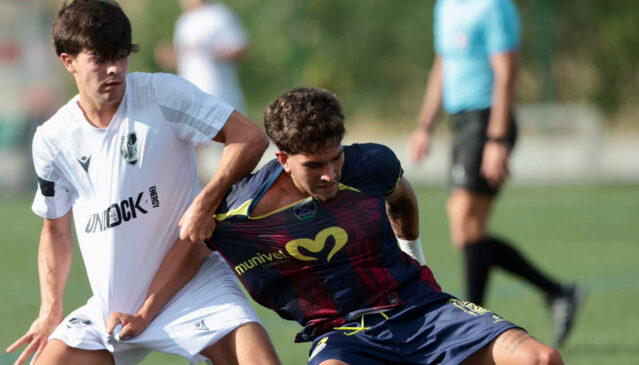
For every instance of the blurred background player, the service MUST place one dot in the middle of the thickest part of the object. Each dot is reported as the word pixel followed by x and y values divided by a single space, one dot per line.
pixel 473 75
pixel 207 43
pixel 118 160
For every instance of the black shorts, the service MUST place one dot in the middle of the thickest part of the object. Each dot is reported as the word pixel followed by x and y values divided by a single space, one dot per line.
pixel 469 130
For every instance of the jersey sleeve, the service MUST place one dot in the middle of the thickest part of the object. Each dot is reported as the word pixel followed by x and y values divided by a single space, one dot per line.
pixel 502 27
pixel 194 115
pixel 371 168
pixel 53 197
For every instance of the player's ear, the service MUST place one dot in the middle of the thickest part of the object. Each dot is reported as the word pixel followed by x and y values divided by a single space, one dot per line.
pixel 68 61
pixel 282 157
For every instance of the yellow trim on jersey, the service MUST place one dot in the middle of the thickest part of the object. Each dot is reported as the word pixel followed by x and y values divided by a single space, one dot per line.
pixel 346 187
pixel 279 209
pixel 243 209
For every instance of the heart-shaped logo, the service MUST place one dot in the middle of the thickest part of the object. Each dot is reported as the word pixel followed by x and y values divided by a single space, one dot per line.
pixel 317 245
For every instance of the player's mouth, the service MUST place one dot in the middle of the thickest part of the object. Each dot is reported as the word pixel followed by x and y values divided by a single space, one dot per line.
pixel 112 84
pixel 327 187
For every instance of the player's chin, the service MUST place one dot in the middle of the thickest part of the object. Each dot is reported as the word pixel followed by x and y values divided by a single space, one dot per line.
pixel 324 196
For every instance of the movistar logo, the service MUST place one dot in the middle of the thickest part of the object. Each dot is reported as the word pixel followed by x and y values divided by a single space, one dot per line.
pixel 336 235
pixel 302 249
pixel 124 211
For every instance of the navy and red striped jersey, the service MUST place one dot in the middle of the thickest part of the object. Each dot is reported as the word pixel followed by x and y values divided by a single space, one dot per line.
pixel 322 263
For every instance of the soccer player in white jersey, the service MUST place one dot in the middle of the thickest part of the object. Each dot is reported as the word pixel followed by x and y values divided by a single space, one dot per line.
pixel 119 158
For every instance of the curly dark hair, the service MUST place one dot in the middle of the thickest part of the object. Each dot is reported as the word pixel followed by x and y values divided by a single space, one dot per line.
pixel 305 120
pixel 99 27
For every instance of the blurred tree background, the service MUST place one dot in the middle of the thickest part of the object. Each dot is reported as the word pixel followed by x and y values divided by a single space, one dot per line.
pixel 375 54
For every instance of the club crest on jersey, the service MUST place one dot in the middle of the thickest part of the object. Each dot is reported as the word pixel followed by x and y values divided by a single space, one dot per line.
pixel 305 210
pixel 129 148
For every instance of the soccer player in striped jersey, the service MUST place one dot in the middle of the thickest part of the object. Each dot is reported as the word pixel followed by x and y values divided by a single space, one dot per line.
pixel 312 236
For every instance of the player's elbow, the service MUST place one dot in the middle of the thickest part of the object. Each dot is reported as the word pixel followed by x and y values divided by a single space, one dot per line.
pixel 258 140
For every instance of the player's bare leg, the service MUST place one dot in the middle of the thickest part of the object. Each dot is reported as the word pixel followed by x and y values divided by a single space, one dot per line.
pixel 246 345
pixel 57 352
pixel 467 216
pixel 333 362
pixel 515 346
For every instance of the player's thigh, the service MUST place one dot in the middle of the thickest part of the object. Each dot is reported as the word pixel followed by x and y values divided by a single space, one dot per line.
pixel 515 346
pixel 467 215
pixel 247 344
pixel 57 352
pixel 333 362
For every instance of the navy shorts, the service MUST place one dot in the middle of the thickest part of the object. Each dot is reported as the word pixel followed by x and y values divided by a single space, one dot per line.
pixel 445 332
pixel 468 149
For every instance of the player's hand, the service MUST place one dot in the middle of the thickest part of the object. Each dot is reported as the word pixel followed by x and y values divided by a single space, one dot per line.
pixel 36 338
pixel 132 324
pixel 419 144
pixel 494 165
pixel 197 223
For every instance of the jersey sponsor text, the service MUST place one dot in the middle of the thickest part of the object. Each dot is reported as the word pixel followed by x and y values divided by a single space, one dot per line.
pixel 117 213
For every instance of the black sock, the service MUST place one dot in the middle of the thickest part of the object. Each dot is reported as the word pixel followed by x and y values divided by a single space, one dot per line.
pixel 479 258
pixel 508 258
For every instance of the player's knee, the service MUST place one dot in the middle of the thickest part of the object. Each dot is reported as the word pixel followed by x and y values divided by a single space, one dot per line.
pixel 546 355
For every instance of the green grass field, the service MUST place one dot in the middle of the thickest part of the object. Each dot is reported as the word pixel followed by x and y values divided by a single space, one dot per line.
pixel 589 234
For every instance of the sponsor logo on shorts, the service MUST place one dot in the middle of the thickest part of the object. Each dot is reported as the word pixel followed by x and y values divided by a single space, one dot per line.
pixel 474 309
pixel 321 344
pixel 458 174
pixel 124 211
pixel 302 249
pixel 76 322
pixel 201 326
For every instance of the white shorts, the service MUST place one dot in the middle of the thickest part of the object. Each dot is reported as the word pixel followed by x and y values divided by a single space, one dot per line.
pixel 210 306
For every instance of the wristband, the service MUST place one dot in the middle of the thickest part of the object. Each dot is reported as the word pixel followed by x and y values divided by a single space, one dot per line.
pixel 413 249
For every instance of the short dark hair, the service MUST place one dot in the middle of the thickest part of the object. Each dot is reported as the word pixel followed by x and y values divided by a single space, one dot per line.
pixel 96 26
pixel 305 120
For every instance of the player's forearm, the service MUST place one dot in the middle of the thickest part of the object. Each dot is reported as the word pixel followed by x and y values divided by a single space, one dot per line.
pixel 402 211
pixel 180 265
pixel 230 54
pixel 432 103
pixel 244 144
pixel 55 253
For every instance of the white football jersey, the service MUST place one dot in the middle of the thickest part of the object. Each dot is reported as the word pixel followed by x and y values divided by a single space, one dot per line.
pixel 128 184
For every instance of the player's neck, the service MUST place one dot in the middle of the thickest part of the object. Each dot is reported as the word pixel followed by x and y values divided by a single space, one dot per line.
pixel 98 115
pixel 283 192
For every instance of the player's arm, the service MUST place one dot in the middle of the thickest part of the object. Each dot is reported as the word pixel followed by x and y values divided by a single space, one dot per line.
pixel 495 158
pixel 244 144
pixel 431 107
pixel 231 54
pixel 403 214
pixel 179 266
pixel 54 262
